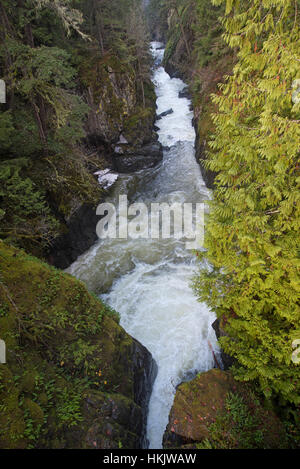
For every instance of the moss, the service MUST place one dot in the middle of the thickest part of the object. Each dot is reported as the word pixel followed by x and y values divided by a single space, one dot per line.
pixel 35 412
pixel 28 381
pixel 171 45
pixel 138 126
pixel 215 411
pixel 68 185
pixel 113 88
pixel 62 343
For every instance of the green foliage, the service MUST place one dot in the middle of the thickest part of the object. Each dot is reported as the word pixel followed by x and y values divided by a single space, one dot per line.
pixel 69 407
pixel 24 212
pixel 62 344
pixel 252 233
pixel 56 56
pixel 209 45
pixel 40 77
pixel 42 124
pixel 237 426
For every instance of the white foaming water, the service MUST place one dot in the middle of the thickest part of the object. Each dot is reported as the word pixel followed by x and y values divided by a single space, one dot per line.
pixel 148 281
pixel 178 125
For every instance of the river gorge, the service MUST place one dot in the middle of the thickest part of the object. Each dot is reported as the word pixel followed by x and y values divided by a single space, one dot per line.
pixel 148 280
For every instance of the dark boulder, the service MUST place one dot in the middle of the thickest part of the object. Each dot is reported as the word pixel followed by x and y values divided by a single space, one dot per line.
pixel 165 113
pixel 172 70
pixel 147 156
pixel 115 417
pixel 144 372
pixel 185 93
pixel 79 236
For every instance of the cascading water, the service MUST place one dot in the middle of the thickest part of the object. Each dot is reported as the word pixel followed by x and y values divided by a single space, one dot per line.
pixel 148 280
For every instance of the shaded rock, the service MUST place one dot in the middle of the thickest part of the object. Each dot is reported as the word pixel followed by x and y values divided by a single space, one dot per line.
pixel 165 113
pixel 117 420
pixel 147 156
pixel 144 372
pixel 121 417
pixel 80 235
pixel 226 359
pixel 172 70
pixel 111 96
pixel 107 411
pixel 114 418
pixel 201 156
pixel 111 419
pixel 185 93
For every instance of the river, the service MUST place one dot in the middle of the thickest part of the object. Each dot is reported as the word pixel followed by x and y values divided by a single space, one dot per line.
pixel 148 280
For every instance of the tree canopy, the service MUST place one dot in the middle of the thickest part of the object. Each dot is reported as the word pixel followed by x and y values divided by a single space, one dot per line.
pixel 252 233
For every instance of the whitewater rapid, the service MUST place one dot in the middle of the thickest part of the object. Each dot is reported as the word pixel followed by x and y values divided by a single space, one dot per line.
pixel 148 280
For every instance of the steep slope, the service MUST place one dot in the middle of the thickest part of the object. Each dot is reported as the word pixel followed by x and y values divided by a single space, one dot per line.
pixel 79 99
pixel 73 377
pixel 196 51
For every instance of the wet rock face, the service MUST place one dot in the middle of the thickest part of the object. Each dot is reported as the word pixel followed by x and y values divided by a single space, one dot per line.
pixel 107 410
pixel 111 96
pixel 119 420
pixel 172 70
pixel 227 360
pixel 80 236
pixel 201 156
pixel 165 113
pixel 202 402
pixel 147 156
pixel 185 93
pixel 145 371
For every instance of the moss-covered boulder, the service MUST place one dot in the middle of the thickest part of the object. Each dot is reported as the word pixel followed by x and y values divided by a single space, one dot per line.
pixel 214 411
pixel 73 378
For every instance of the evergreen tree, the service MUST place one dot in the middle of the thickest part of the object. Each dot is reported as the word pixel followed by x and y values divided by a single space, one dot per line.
pixel 139 46
pixel 252 234
pixel 43 117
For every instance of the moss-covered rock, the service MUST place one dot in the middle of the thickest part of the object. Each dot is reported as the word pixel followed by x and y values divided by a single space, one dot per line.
pixel 65 349
pixel 113 97
pixel 110 92
pixel 215 411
